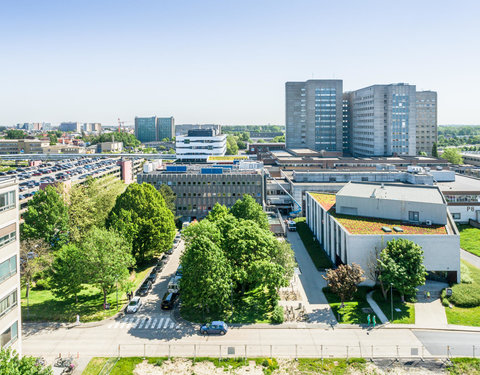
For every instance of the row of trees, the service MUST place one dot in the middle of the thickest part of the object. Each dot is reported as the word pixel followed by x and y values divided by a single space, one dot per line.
pixel 452 155
pixel 92 234
pixel 229 254
pixel 399 265
pixel 128 139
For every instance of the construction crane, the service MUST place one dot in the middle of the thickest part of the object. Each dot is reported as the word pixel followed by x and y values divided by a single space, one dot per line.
pixel 120 123
pixel 299 209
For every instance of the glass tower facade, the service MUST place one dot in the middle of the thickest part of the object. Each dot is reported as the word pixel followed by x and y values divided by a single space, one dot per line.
pixel 325 118
pixel 146 129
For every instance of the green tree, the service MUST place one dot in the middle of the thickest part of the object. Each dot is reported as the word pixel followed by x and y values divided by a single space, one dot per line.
pixel 141 215
pixel 422 153
pixel 247 208
pixel 47 217
pixel 343 280
pixel 203 229
pixel 232 147
pixel 204 264
pixel 279 138
pixel 69 272
pixel 171 151
pixel 435 150
pixel 15 134
pixel 217 212
pixel 285 257
pixel 12 364
pixel 241 144
pixel 53 139
pixel 107 258
pixel 401 264
pixel 452 155
pixel 168 196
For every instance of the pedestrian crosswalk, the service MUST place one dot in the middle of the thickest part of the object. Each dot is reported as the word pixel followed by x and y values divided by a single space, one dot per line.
pixel 143 323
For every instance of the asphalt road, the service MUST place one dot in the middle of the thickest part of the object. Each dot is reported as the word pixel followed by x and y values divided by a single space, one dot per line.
pixel 440 343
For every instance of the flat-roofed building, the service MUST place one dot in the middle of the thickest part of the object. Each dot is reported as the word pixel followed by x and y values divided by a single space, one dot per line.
pixel 199 144
pixel 10 313
pixel 354 225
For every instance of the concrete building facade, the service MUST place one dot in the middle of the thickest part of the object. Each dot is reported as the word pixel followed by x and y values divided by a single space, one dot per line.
pixel 314 115
pixel 10 313
pixel 384 120
pixel 198 188
pixel 199 144
pixel 426 120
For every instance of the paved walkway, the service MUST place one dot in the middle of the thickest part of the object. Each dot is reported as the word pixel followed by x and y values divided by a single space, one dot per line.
pixel 312 284
pixel 470 258
pixel 376 309
pixel 430 314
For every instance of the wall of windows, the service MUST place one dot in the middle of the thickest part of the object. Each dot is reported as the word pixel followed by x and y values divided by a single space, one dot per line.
pixel 7 200
pixel 8 268
pixel 8 234
pixel 9 335
pixel 8 303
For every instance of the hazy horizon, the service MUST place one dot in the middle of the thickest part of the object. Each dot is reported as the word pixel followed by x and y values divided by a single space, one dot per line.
pixel 226 62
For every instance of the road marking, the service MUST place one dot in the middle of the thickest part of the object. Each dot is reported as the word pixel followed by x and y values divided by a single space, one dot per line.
pixel 137 323
pixel 172 325
pixel 132 322
pixel 142 323
pixel 148 323
pixel 160 323
pixel 166 323
pixel 154 323
pixel 116 324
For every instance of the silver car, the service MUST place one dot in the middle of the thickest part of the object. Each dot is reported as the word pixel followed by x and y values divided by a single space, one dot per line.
pixel 134 305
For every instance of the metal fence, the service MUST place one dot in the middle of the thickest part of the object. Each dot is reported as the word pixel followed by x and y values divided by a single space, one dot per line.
pixel 296 351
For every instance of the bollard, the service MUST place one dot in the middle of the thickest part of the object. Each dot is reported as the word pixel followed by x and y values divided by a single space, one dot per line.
pixel 448 351
pixel 220 350
pixel 118 350
pixel 144 350
pixel 321 352
pixel 473 351
pixel 169 351
pixel 347 352
pixel 371 357
pixel 423 353
pixel 271 349
pixel 245 354
pixel 194 352
pixel 360 349
pixel 398 354
pixel 296 352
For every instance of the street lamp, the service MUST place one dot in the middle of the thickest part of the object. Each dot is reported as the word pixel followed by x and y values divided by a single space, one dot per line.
pixel 391 299
pixel 116 284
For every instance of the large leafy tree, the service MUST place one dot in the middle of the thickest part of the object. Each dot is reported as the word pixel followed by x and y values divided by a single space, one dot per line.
pixel 452 155
pixel 206 280
pixel 232 147
pixel 202 229
pixel 141 215
pixel 168 196
pixel 69 272
pixel 401 265
pixel 107 259
pixel 47 217
pixel 435 150
pixel 217 212
pixel 12 364
pixel 15 134
pixel 343 281
pixel 248 209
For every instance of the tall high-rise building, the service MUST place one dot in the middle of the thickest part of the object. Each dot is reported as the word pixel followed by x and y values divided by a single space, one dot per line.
pixel 347 121
pixel 75 127
pixel 426 121
pixel 384 120
pixel 146 129
pixel 10 313
pixel 314 115
pixel 165 128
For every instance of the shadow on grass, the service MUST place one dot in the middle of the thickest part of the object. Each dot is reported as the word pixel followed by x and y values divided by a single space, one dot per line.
pixel 352 312
pixel 319 257
pixel 406 315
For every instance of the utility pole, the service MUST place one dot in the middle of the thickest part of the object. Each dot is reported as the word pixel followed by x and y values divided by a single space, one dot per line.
pixel 391 299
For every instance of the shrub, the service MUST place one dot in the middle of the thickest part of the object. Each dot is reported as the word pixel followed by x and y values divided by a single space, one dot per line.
pixel 465 295
pixel 42 284
pixel 277 315
pixel 466 278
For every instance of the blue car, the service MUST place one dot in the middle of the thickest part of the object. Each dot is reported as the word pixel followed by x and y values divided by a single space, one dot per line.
pixel 215 327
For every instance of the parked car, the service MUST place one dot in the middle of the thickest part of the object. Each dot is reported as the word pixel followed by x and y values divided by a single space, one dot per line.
pixel 152 277
pixel 215 327
pixel 143 290
pixel 168 300
pixel 179 271
pixel 134 305
pixel 169 251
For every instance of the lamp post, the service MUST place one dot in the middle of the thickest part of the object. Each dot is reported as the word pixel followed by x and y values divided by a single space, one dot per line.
pixel 391 299
pixel 116 284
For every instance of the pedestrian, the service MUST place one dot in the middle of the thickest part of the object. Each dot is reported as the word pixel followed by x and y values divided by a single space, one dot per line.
pixel 373 319
pixel 368 320
pixel 428 296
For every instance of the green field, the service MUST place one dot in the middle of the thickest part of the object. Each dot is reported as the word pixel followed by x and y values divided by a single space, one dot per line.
pixel 44 306
pixel 469 238
pixel 352 311
pixel 405 316
pixel 315 250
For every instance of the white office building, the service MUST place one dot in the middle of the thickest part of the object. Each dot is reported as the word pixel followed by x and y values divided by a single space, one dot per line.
pixel 199 144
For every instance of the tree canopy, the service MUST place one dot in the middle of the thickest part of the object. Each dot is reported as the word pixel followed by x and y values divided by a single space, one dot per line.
pixel 141 215
pixel 12 364
pixel 15 134
pixel 128 139
pixel 452 155
pixel 232 147
pixel 401 264
pixel 344 279
pixel 47 217
pixel 247 208
pixel 168 196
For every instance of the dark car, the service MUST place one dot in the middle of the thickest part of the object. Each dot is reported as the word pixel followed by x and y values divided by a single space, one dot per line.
pixel 169 251
pixel 144 289
pixel 215 327
pixel 169 300
pixel 152 277
pixel 179 271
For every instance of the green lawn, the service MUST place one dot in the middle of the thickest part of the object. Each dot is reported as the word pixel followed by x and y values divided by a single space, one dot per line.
pixel 315 250
pixel 44 306
pixel 406 316
pixel 469 316
pixel 469 238
pixel 94 366
pixel 335 366
pixel 461 366
pixel 352 311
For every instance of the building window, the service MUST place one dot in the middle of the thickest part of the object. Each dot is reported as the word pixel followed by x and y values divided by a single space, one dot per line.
pixel 8 303
pixel 8 234
pixel 7 200
pixel 9 335
pixel 413 216
pixel 8 268
pixel 456 216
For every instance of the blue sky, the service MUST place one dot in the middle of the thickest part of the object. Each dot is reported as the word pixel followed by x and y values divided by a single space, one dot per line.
pixel 226 61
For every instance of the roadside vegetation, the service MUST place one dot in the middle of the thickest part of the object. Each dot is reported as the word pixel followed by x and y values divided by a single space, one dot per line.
pixel 469 238
pixel 462 366
pixel 355 310
pixel 406 315
pixel 81 247
pixel 463 306
pixel 319 257
pixel 233 266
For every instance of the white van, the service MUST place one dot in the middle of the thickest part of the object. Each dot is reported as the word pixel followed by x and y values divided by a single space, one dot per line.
pixel 174 284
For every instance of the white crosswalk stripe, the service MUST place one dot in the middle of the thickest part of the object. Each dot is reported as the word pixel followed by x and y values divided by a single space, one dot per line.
pixel 159 323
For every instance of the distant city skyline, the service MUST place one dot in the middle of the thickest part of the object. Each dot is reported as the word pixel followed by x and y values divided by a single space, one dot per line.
pixel 224 62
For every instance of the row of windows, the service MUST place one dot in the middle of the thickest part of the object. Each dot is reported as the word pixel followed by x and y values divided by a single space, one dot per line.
pixel 9 335
pixel 214 194
pixel 9 237
pixel 8 268
pixel 7 200
pixel 8 303
pixel 174 183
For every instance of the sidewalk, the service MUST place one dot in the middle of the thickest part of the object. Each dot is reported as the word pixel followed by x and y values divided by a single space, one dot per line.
pixel 470 258
pixel 376 309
